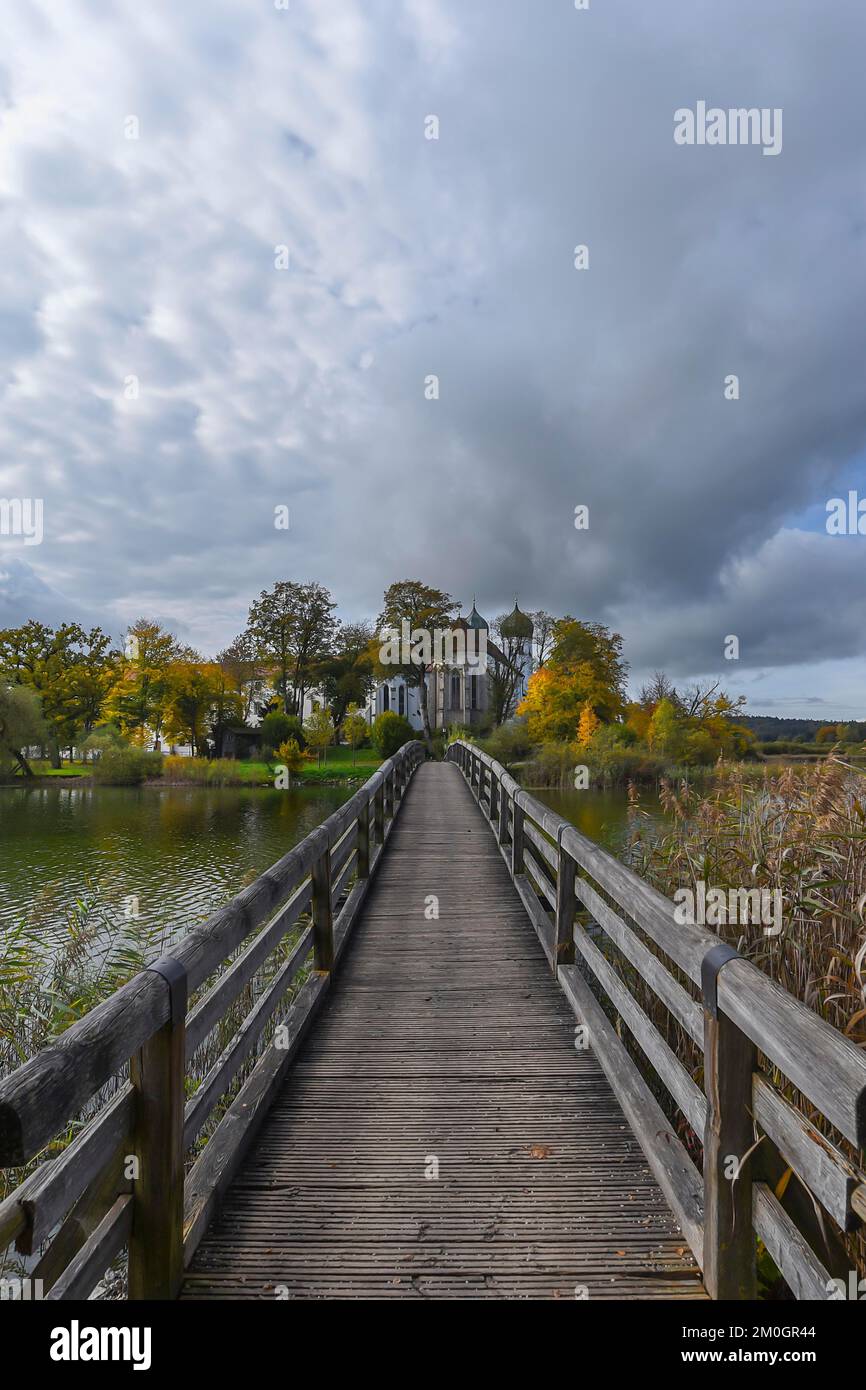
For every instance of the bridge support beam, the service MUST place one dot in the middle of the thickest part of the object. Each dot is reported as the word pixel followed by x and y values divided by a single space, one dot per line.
pixel 323 913
pixel 730 1059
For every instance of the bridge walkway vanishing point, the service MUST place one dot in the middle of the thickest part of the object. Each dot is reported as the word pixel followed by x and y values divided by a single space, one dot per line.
pixel 328 1090
pixel 445 1043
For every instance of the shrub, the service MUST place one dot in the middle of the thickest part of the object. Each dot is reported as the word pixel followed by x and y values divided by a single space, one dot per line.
pixel 126 767
pixel 390 731
pixel 277 728
pixel 509 743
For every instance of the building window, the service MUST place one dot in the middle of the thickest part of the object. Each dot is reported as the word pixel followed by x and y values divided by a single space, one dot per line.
pixel 402 698
pixel 386 697
pixel 455 691
pixel 473 692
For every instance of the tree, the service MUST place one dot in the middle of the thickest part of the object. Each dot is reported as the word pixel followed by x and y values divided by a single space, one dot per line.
pixel 192 690
pixel 543 625
pixel 423 610
pixel 390 731
pixel 666 729
pixel 319 731
pixel 21 724
pixel 589 723
pixel 276 727
pixel 244 670
pixel 585 665
pixel 292 757
pixel 292 627
pixel 138 699
pixel 70 669
pixel 659 688
pixel 506 672
pixel 354 729
pixel 346 676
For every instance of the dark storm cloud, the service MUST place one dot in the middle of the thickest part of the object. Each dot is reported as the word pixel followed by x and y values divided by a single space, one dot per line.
pixel 154 258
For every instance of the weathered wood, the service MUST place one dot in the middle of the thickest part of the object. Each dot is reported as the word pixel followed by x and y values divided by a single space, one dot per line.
pixel 243 1041
pixel 156 1240
pixel 684 1009
pixel 364 840
pixel 443 1038
pixel 50 1193
pixel 83 1218
pixel 208 1012
pixel 729 1246
pixel 517 841
pixel 323 917
pixel 830 1177
pixel 671 1071
pixel 672 1168
pixel 563 948
pixel 225 1151
pixel 87 1267
pixel 800 1267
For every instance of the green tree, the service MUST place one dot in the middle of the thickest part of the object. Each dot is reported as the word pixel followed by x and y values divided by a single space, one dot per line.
pixel 276 727
pixel 354 729
pixel 423 610
pixel 389 732
pixel 346 677
pixel 319 731
pixel 21 724
pixel 292 627
pixel 138 699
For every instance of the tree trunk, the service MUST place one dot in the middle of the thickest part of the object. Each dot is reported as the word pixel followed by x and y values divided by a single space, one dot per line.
pixel 56 760
pixel 23 764
pixel 425 715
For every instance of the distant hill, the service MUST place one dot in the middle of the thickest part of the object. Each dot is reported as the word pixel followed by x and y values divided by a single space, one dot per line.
pixel 769 727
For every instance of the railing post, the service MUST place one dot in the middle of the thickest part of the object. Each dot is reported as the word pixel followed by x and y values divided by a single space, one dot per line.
pixel 389 795
pixel 517 839
pixel 379 812
pixel 729 1063
pixel 323 914
pixel 362 861
pixel 157 1074
pixel 495 790
pixel 502 832
pixel 563 951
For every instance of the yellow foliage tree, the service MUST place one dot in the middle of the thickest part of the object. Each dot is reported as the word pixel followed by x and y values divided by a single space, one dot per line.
pixel 589 722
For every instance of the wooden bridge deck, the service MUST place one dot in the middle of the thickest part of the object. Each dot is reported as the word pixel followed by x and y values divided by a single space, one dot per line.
pixel 444 1039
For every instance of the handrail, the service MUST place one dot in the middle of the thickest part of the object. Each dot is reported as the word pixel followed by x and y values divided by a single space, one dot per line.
pixel 561 877
pixel 122 1177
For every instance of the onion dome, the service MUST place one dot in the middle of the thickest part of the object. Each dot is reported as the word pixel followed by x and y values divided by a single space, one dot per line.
pixel 517 626
pixel 476 621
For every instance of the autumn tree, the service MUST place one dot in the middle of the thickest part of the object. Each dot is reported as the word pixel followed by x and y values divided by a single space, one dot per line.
pixel 244 671
pixel 137 701
pixel 588 724
pixel 21 725
pixel 585 666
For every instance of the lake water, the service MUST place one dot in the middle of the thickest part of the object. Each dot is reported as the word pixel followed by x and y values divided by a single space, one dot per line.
pixel 180 851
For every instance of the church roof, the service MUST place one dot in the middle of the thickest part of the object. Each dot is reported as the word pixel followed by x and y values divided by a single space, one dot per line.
pixel 476 621
pixel 517 625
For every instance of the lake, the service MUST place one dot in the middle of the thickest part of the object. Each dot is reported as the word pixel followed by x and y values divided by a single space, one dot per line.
pixel 180 851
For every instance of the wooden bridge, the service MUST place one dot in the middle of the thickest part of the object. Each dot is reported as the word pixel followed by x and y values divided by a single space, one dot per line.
pixel 475 1104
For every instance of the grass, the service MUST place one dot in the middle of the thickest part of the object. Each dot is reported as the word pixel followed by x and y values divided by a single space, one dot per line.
pixel 228 772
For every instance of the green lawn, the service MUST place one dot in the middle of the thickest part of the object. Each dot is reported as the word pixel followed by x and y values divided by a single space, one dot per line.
pixel 45 769
pixel 337 766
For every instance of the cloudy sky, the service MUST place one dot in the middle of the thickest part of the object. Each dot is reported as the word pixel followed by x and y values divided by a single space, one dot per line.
pixel 156 259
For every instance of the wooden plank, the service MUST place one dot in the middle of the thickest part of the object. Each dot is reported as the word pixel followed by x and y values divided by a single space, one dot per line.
pixel 225 1150
pixel 799 1265
pixel 830 1177
pixel 669 1068
pixel 671 1165
pixel 51 1192
pixel 84 1271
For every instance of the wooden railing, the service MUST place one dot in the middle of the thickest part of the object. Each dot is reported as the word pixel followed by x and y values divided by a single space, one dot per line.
pixel 121 1181
pixel 768 1169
